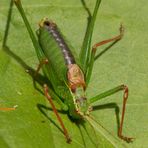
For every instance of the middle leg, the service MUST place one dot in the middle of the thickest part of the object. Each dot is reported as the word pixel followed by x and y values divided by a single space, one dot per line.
pixel 94 48
pixel 56 113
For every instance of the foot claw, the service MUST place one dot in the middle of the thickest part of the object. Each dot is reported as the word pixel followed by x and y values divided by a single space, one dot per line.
pixel 68 139
pixel 127 139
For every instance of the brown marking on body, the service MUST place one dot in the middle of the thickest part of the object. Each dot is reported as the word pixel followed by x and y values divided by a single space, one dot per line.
pixel 75 77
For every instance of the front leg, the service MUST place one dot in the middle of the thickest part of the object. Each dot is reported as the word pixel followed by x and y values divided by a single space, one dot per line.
pixel 125 97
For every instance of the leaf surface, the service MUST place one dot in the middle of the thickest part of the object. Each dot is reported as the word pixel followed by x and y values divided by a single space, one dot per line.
pixel 33 123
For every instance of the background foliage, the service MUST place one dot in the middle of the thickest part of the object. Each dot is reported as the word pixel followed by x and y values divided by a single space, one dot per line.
pixel 33 124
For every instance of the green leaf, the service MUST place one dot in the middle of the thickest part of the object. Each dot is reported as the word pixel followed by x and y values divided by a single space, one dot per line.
pixel 33 123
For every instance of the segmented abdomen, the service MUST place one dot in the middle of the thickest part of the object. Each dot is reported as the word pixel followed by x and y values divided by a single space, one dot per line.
pixel 52 28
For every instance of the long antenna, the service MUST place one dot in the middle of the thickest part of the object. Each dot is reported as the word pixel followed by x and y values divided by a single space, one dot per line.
pixel 112 139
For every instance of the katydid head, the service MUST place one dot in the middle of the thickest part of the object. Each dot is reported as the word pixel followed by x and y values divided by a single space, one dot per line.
pixel 81 103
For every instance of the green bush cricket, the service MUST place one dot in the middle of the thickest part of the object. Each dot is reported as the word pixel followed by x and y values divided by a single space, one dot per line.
pixel 69 75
